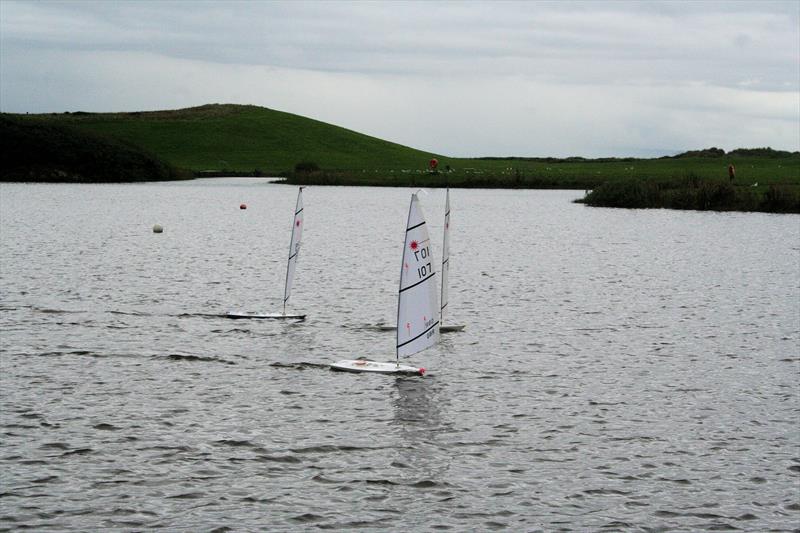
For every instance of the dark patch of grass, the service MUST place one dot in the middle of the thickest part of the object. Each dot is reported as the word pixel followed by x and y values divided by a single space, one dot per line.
pixel 306 167
pixel 694 192
pixel 42 151
pixel 781 199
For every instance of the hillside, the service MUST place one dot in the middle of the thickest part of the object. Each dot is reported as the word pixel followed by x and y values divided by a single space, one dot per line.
pixel 229 139
pixel 244 139
pixel 34 150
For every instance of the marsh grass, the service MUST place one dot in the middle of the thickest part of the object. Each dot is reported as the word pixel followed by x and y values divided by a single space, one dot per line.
pixel 693 192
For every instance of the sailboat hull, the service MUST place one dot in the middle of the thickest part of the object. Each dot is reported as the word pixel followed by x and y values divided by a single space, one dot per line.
pixel 278 316
pixel 442 329
pixel 375 367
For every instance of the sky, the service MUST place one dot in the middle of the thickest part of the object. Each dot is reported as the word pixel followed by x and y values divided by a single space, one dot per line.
pixel 456 78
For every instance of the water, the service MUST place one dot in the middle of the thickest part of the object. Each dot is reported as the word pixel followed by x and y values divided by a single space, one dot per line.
pixel 620 369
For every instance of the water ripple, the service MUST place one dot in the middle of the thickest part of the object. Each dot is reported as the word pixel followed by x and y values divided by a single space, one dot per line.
pixel 621 370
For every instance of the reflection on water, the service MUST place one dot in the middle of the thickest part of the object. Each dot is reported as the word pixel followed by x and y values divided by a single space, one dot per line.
pixel 415 409
pixel 418 417
pixel 620 370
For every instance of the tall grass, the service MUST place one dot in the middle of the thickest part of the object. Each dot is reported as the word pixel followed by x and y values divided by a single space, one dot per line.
pixel 693 192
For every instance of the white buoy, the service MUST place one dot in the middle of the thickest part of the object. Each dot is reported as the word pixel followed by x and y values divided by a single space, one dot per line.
pixel 158 229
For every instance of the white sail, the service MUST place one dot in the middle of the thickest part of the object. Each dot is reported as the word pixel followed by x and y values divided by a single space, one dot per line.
pixel 294 246
pixel 417 308
pixel 445 254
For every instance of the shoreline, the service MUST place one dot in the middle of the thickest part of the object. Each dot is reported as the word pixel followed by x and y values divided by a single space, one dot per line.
pixel 698 195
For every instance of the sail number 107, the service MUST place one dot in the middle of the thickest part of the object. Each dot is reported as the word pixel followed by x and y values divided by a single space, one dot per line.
pixel 426 269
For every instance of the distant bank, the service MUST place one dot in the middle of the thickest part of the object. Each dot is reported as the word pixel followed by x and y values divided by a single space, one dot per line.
pixel 220 140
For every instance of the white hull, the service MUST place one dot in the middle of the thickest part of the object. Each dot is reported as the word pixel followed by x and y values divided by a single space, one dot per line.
pixel 265 315
pixel 375 367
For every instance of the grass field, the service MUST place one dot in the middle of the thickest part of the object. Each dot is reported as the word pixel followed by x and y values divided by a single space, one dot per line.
pixel 248 138
pixel 243 139
pixel 569 174
pixel 233 139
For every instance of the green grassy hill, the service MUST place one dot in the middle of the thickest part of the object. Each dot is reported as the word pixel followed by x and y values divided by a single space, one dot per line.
pixel 35 150
pixel 245 138
pixel 227 139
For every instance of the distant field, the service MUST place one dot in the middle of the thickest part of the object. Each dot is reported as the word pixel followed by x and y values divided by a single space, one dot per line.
pixel 566 174
pixel 248 140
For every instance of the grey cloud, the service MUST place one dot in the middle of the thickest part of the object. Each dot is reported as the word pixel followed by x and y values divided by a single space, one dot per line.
pixel 571 42
pixel 460 78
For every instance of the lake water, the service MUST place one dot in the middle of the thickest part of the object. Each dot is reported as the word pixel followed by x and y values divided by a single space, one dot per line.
pixel 633 370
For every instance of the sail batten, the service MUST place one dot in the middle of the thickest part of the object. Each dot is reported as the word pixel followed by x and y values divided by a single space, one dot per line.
pixel 420 335
pixel 419 282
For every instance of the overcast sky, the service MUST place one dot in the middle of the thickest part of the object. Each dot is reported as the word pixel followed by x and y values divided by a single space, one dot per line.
pixel 454 78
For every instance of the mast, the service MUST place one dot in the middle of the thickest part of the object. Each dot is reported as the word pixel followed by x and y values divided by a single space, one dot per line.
pixel 445 256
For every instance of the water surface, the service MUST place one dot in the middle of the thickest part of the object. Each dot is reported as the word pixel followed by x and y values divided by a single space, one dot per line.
pixel 620 369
